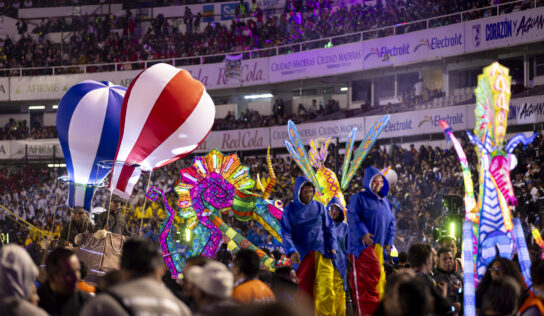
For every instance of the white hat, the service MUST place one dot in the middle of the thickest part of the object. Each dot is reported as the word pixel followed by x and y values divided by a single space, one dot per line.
pixel 214 279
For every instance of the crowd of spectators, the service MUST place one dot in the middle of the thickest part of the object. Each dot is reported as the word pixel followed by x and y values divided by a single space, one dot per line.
pixel 92 39
pixel 20 130
pixel 300 114
pixel 427 178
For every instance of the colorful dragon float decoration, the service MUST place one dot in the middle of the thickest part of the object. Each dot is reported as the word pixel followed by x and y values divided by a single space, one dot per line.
pixel 324 179
pixel 489 229
pixel 214 184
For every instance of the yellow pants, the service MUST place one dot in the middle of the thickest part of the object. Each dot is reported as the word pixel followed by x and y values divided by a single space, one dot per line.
pixel 329 300
pixel 381 284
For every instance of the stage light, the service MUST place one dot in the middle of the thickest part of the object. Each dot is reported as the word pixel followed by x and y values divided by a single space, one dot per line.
pixel 37 107
pixel 56 165
pixel 187 234
pixel 258 96
pixel 56 106
pixel 344 89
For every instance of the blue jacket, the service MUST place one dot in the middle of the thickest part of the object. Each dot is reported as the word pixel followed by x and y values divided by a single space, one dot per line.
pixel 341 232
pixel 307 227
pixel 369 212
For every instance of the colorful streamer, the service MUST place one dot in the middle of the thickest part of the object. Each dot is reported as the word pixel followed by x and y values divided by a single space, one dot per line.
pixel 471 211
pixel 469 281
pixel 523 253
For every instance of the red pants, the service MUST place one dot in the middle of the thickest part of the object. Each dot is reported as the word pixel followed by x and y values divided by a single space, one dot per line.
pixel 306 275
pixel 364 279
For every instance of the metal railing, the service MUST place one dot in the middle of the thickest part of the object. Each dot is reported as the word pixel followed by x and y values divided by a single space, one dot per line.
pixel 380 32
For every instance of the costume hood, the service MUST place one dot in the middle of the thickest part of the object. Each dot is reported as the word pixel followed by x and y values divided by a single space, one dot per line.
pixel 299 183
pixel 370 173
pixel 336 201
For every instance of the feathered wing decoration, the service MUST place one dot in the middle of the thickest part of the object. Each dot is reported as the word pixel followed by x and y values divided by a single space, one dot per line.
pixel 318 151
pixel 364 149
pixel 347 156
pixel 298 153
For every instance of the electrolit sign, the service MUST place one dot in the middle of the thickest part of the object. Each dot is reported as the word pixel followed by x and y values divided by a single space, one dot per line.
pixel 423 122
pixel 414 47
pixel 440 42
pixel 228 10
pixel 454 119
pixel 388 51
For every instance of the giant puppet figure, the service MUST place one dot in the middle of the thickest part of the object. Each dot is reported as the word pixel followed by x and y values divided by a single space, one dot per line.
pixel 321 281
pixel 214 184
pixel 489 229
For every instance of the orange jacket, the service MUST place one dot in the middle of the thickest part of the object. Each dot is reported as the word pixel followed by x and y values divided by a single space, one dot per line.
pixel 85 287
pixel 253 291
pixel 532 301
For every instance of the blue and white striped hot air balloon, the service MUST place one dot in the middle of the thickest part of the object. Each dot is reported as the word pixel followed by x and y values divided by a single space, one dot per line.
pixel 88 120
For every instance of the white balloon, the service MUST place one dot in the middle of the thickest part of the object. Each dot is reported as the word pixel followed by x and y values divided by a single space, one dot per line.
pixel 391 177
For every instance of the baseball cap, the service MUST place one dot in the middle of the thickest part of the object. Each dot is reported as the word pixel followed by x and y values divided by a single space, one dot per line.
pixel 214 279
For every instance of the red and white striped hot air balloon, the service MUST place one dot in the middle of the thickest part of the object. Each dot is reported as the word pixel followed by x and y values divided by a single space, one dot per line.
pixel 166 114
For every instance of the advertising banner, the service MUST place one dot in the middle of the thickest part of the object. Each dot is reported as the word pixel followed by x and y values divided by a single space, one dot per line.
pixel 422 122
pixel 45 148
pixel 254 72
pixel 4 89
pixel 215 12
pixel 228 10
pixel 316 63
pixel 505 30
pixel 528 110
pixel 236 140
pixel 271 4
pixel 308 131
pixel 40 13
pixel 54 87
pixel 416 46
pixel 5 149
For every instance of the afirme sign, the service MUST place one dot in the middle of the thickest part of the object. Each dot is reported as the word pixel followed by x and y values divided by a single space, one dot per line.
pixel 452 40
pixel 523 111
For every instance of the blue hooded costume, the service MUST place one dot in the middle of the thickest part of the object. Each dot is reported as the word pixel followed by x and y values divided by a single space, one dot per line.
pixel 307 227
pixel 341 232
pixel 369 212
pixel 309 230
